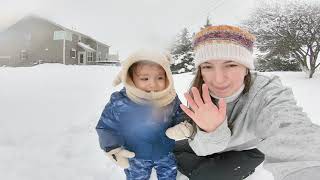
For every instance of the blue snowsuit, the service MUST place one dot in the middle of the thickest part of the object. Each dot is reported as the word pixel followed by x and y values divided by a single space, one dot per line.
pixel 140 129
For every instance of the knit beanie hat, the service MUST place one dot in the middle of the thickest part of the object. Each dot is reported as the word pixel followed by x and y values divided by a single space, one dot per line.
pixel 224 42
pixel 159 99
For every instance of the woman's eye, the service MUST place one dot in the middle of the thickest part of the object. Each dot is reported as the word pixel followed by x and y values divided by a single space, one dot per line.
pixel 232 65
pixel 205 67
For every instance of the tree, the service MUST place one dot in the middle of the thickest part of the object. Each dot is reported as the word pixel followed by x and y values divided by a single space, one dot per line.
pixel 182 53
pixel 288 29
pixel 276 63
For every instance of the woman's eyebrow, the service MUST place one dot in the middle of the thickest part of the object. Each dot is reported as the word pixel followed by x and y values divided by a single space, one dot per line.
pixel 228 62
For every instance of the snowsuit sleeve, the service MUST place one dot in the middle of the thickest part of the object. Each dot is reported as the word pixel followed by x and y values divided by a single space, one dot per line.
pixel 289 140
pixel 109 138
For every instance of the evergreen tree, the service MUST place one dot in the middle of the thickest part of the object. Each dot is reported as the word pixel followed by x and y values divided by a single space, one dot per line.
pixel 276 63
pixel 182 54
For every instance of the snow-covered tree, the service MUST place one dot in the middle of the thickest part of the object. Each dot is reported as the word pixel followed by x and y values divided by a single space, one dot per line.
pixel 182 54
pixel 276 63
pixel 288 29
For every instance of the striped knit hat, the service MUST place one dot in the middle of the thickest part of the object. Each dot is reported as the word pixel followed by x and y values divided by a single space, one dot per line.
pixel 224 42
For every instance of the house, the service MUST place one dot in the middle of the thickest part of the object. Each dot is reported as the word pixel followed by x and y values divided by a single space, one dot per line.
pixel 34 40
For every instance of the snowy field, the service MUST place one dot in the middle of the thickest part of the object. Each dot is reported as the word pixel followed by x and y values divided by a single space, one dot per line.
pixel 48 115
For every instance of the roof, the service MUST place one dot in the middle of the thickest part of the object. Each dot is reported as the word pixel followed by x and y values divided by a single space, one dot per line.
pixel 62 27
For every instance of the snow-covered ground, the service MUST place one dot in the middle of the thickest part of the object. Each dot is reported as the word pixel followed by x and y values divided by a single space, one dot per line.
pixel 48 115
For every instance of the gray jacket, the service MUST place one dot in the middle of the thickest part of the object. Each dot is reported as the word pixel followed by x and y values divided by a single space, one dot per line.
pixel 268 118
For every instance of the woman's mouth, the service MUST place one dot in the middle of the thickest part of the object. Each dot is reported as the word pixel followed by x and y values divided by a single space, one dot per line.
pixel 221 88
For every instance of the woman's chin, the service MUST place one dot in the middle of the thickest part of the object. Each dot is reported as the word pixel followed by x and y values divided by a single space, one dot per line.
pixel 221 93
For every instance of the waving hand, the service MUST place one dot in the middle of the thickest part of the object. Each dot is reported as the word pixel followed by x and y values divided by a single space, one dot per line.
pixel 203 112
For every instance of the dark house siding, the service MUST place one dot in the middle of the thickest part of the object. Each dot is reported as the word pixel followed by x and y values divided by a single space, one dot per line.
pixel 31 41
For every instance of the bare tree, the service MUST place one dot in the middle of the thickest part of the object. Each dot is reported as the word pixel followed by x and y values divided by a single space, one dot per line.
pixel 288 29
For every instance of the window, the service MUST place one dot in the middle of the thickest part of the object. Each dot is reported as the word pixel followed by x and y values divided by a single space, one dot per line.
pixel 73 53
pixel 60 35
pixel 23 55
pixel 90 56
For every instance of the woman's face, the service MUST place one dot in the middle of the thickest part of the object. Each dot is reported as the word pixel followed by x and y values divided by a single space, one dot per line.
pixel 223 78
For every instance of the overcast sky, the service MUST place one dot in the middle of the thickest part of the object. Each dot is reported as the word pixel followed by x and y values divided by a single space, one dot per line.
pixel 127 25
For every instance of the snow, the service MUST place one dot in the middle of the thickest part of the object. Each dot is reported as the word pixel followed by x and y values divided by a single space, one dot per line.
pixel 49 113
pixel 86 47
pixel 189 67
pixel 182 70
pixel 178 60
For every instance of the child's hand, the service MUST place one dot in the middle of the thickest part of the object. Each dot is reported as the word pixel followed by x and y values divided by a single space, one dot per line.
pixel 120 156
pixel 180 131
pixel 203 112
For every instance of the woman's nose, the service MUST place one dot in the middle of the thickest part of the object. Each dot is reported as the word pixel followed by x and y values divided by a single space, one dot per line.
pixel 219 76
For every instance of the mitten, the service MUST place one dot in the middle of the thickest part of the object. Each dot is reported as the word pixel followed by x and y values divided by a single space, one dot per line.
pixel 120 156
pixel 181 131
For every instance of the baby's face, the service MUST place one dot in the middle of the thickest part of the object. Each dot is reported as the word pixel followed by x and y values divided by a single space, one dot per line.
pixel 149 77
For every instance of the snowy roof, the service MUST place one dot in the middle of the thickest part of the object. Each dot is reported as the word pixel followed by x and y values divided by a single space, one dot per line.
pixel 86 47
pixel 60 26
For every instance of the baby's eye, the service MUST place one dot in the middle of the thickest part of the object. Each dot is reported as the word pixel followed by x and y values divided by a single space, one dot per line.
pixel 144 79
pixel 160 78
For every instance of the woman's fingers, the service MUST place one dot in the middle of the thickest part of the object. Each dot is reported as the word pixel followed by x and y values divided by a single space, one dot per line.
pixel 191 102
pixel 205 94
pixel 196 96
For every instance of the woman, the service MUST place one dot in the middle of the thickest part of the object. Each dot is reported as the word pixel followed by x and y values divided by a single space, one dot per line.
pixel 235 111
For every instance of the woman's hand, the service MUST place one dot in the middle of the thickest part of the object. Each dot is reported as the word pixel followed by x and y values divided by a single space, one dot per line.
pixel 203 112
